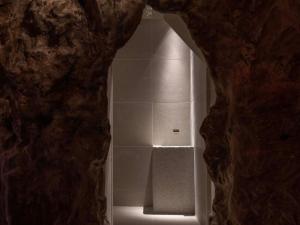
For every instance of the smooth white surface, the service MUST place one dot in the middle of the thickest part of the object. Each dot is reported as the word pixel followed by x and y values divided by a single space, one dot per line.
pixel 202 188
pixel 173 181
pixel 135 216
pixel 151 70
pixel 154 38
pixel 171 80
pixel 181 29
pixel 133 80
pixel 169 116
pixel 200 98
pixel 172 146
pixel 200 103
pixel 157 80
pixel 145 50
pixel 167 43
pixel 131 175
pixel 132 124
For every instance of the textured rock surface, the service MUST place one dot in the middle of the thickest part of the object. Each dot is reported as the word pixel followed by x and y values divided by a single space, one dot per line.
pixel 253 48
pixel 253 131
pixel 54 132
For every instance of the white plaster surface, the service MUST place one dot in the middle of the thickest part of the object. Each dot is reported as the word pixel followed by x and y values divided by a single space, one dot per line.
pixel 151 88
pixel 201 103
pixel 167 43
pixel 181 29
pixel 169 116
pixel 171 80
pixel 132 80
pixel 200 97
pixel 173 181
pixel 131 175
pixel 132 124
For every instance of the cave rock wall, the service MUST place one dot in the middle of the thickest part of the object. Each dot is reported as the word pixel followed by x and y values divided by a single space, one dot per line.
pixel 252 132
pixel 54 131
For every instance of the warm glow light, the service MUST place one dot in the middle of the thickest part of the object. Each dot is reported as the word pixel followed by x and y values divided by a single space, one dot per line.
pixel 172 66
pixel 179 146
pixel 193 120
pixel 137 214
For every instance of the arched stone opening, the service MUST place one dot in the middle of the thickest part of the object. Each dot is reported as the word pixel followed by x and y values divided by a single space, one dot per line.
pixel 156 88
pixel 54 57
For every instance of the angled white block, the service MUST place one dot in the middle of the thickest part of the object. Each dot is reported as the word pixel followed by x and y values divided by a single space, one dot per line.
pixel 167 43
pixel 173 181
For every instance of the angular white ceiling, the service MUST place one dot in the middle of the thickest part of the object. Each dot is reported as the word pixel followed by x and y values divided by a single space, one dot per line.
pixel 181 29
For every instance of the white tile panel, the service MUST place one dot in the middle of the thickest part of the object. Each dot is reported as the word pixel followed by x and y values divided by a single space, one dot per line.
pixel 173 181
pixel 131 170
pixel 132 124
pixel 132 80
pixel 166 118
pixel 171 80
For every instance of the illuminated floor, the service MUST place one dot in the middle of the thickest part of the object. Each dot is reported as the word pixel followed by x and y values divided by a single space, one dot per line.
pixel 135 216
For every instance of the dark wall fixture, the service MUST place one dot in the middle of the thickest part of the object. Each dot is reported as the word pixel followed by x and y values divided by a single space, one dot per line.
pixel 54 131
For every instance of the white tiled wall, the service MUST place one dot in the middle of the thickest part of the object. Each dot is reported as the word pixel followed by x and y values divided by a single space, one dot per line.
pixel 131 175
pixel 171 80
pixel 173 181
pixel 169 116
pixel 132 81
pixel 132 124
pixel 151 80
pixel 201 107
pixel 151 97
pixel 200 97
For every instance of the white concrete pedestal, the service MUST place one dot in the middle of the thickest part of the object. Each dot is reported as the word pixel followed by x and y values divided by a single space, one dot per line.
pixel 173 180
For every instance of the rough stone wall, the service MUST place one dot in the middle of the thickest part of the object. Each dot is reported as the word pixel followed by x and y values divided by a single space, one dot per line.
pixel 54 131
pixel 253 130
pixel 253 50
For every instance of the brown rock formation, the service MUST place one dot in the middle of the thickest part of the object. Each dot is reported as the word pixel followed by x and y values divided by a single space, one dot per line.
pixel 54 131
pixel 253 131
